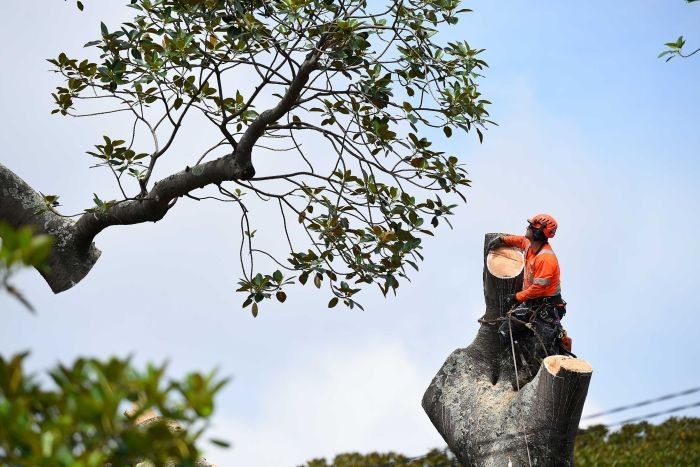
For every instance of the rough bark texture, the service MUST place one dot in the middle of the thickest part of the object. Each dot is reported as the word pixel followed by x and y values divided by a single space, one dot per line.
pixel 70 259
pixel 485 422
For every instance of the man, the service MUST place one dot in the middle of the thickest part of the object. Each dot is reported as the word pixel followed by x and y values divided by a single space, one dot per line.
pixel 539 303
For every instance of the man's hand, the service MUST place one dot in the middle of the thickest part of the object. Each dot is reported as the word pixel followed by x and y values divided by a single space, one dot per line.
pixel 510 301
pixel 495 243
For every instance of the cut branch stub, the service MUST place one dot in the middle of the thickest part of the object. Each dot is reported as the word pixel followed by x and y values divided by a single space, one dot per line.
pixel 505 262
pixel 471 400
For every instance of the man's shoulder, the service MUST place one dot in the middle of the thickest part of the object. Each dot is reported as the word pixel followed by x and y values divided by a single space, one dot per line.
pixel 547 253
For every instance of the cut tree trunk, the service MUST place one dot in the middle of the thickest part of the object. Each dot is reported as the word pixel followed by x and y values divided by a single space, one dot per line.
pixel 471 400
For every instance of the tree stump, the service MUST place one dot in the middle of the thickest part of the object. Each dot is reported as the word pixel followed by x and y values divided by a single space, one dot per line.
pixel 471 400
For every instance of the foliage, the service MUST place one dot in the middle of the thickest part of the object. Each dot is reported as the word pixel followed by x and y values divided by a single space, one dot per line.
pixel 434 458
pixel 82 420
pixel 342 100
pixel 21 248
pixel 675 48
pixel 673 442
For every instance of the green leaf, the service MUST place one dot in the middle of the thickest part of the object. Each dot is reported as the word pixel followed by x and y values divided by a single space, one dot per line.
pixel 333 302
pixel 220 442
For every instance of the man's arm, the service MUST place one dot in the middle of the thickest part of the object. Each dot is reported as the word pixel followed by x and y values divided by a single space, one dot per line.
pixel 517 241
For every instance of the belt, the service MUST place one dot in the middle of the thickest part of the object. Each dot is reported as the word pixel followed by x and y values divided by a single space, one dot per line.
pixel 552 300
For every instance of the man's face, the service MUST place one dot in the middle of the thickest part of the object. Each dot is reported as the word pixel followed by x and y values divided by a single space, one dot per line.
pixel 528 232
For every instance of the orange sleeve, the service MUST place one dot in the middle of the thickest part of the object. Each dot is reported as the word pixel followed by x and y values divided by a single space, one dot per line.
pixel 545 274
pixel 517 241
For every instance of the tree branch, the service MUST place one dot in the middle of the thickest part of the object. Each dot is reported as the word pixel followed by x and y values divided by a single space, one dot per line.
pixel 21 205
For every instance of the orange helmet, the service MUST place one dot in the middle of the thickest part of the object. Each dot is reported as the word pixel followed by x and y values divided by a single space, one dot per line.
pixel 544 223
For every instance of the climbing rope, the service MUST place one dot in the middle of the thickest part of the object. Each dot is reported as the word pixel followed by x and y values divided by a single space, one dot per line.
pixel 517 384
pixel 506 288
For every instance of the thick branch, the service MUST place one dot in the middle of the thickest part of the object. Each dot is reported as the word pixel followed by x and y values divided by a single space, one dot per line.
pixel 237 166
pixel 158 201
pixel 21 205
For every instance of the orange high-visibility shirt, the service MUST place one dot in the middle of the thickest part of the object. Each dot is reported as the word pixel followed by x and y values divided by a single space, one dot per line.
pixel 541 269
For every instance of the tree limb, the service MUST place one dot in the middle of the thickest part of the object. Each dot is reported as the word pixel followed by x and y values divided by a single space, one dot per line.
pixel 21 205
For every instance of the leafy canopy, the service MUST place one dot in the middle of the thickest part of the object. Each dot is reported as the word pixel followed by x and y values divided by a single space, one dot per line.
pixel 92 416
pixel 336 104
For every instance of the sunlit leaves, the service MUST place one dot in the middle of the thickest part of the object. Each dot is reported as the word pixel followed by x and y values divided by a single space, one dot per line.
pixel 21 248
pixel 103 413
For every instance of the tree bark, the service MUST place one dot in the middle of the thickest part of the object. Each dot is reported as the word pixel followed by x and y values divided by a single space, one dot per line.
pixel 472 402
pixel 70 259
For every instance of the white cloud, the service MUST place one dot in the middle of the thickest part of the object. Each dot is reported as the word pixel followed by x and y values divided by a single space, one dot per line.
pixel 592 407
pixel 345 400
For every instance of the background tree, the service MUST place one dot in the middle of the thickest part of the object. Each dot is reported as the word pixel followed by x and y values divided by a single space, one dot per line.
pixel 84 419
pixel 20 248
pixel 434 458
pixel 324 112
pixel 676 441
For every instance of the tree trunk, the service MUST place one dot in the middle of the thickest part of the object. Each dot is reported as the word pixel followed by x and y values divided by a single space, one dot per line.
pixel 70 259
pixel 472 402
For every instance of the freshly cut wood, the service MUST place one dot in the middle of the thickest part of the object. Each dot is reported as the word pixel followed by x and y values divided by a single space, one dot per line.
pixel 471 400
pixel 505 262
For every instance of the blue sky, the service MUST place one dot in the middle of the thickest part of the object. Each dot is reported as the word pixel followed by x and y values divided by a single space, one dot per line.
pixel 593 128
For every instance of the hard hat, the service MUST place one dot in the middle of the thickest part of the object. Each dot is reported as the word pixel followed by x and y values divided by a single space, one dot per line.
pixel 545 223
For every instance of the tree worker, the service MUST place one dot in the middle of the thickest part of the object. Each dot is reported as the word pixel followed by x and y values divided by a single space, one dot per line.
pixel 538 308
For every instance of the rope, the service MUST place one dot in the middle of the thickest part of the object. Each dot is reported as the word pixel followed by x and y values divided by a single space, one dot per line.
pixel 517 384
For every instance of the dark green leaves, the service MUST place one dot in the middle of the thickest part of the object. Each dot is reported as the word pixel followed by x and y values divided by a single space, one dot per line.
pixel 81 420
pixel 676 441
pixel 262 287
